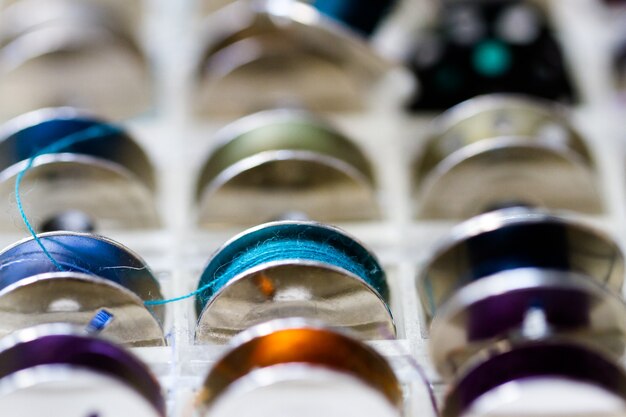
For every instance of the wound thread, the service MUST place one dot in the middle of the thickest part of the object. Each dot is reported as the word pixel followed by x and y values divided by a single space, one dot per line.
pixel 287 242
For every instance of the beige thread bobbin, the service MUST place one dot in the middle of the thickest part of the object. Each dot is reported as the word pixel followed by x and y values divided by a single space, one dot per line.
pixel 277 162
pixel 501 150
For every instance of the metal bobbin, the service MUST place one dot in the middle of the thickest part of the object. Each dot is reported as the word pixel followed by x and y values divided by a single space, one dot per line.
pixel 108 177
pixel 320 368
pixel 59 367
pixel 70 53
pixel 547 378
pixel 279 161
pixel 336 280
pixel 266 53
pixel 497 150
pixel 98 273
pixel 521 274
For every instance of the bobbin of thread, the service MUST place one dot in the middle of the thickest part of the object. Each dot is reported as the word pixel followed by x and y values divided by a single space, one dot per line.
pixel 280 161
pixel 56 366
pixel 315 63
pixel 289 269
pixel 105 175
pixel 521 274
pixel 576 378
pixel 324 370
pixel 70 53
pixel 525 304
pixel 500 148
pixel 97 273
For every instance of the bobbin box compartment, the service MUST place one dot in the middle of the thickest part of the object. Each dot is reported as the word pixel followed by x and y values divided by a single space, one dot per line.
pixel 178 252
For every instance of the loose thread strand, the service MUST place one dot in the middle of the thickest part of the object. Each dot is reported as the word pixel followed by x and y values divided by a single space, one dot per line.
pixel 85 135
pixel 72 139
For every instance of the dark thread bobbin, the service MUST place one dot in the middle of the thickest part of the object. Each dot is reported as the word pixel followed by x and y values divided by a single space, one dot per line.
pixel 104 175
pixel 570 362
pixel 47 361
pixel 97 273
pixel 498 272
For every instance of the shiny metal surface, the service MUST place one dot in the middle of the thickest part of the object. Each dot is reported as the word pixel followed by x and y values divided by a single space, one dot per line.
pixel 291 287
pixel 498 149
pixel 279 161
pixel 43 366
pixel 113 175
pixel 128 12
pixel 520 366
pixel 516 238
pixel 205 7
pixel 99 273
pixel 275 345
pixel 269 53
pixel 525 304
pixel 66 52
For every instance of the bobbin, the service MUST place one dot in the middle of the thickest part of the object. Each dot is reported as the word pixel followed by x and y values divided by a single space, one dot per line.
pixel 577 380
pixel 496 273
pixel 287 269
pixel 266 53
pixel 321 368
pixel 517 238
pixel 525 304
pixel 70 53
pixel 278 161
pixel 499 150
pixel 56 366
pixel 97 273
pixel 108 177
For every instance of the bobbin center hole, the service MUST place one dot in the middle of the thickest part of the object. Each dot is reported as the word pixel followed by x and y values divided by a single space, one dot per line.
pixel 71 221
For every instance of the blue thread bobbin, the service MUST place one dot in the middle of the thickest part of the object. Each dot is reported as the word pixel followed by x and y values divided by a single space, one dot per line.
pixel 101 172
pixel 96 273
pixel 518 274
pixel 51 364
pixel 286 269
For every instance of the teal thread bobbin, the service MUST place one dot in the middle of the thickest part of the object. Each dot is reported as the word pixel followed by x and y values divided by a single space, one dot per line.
pixel 286 269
